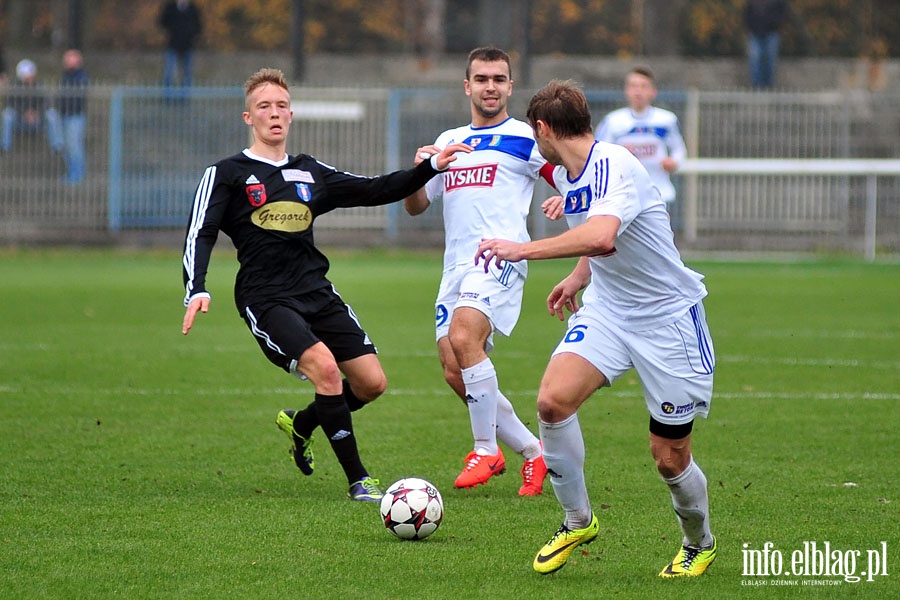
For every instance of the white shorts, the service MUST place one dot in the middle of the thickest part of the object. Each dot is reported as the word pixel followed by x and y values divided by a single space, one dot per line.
pixel 497 294
pixel 675 363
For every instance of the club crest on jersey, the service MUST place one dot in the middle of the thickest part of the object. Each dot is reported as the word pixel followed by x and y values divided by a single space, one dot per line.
pixel 303 192
pixel 477 176
pixel 256 194
pixel 578 201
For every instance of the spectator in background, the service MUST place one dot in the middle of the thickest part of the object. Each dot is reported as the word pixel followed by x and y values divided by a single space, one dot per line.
pixel 650 133
pixel 2 68
pixel 763 19
pixel 182 23
pixel 73 113
pixel 27 109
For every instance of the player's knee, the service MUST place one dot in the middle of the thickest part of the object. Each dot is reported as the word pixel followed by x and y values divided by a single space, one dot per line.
pixel 461 342
pixel 671 457
pixel 551 406
pixel 322 371
pixel 372 387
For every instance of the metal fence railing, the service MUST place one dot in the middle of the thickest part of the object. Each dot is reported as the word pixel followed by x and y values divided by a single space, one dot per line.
pixel 146 149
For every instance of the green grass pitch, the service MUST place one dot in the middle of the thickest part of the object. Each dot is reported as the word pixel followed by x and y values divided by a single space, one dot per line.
pixel 139 463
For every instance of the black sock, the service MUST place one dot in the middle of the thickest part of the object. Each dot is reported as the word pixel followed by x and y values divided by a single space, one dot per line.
pixel 353 403
pixel 306 420
pixel 338 427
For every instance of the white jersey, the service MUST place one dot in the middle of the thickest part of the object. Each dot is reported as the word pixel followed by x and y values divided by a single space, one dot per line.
pixel 651 137
pixel 643 282
pixel 486 193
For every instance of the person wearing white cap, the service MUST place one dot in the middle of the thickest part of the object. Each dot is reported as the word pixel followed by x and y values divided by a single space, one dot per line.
pixel 27 110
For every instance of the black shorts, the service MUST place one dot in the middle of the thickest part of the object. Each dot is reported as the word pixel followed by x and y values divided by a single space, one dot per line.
pixel 286 328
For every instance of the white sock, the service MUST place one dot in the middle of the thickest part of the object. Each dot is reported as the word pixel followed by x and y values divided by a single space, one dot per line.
pixel 481 396
pixel 513 432
pixel 564 455
pixel 691 503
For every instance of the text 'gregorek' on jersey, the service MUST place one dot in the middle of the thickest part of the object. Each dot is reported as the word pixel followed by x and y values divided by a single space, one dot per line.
pixel 268 210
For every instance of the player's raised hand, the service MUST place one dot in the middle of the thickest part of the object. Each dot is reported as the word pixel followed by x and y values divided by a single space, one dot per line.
pixel 448 154
pixel 425 153
pixel 553 207
pixel 199 304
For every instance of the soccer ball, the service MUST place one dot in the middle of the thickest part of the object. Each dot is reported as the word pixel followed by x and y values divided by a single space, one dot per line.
pixel 412 508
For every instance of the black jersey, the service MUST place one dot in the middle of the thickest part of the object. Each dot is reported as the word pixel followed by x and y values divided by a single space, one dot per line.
pixel 268 210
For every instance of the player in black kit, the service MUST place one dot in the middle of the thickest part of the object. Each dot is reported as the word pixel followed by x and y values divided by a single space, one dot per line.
pixel 266 201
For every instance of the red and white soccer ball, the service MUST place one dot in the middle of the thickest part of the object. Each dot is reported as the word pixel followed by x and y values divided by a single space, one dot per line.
pixel 412 508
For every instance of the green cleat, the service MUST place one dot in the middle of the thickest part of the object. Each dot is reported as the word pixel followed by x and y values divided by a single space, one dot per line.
pixel 366 490
pixel 555 553
pixel 690 561
pixel 301 449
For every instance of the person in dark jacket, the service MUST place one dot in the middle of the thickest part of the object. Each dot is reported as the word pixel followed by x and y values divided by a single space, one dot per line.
pixel 183 25
pixel 2 68
pixel 763 19
pixel 73 113
pixel 27 109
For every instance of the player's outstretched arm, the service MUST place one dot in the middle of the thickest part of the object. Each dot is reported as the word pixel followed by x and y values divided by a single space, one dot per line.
pixel 199 304
pixel 417 203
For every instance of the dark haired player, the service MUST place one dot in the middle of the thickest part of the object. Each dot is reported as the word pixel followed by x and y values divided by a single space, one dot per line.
pixel 642 309
pixel 487 193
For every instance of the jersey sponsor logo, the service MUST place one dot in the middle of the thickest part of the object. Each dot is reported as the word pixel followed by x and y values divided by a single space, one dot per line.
pixel 480 176
pixel 297 175
pixel 578 200
pixel 256 194
pixel 289 217
pixel 303 192
pixel 681 409
pixel 251 180
pixel 642 150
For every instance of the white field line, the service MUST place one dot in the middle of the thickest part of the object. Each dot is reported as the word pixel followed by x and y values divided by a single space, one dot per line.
pixel 813 362
pixel 849 334
pixel 304 390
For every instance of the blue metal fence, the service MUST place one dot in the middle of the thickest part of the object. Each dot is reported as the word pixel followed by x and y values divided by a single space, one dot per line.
pixel 147 148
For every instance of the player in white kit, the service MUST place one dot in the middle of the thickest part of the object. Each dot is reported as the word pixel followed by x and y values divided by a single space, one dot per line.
pixel 487 193
pixel 652 134
pixel 642 309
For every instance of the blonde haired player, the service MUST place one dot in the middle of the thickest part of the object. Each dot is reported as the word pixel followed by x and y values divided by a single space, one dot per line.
pixel 267 202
